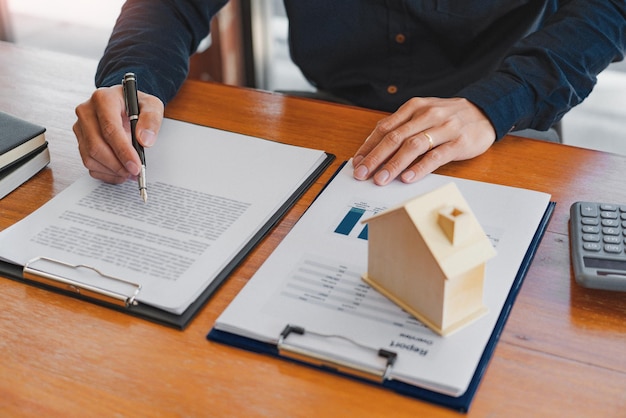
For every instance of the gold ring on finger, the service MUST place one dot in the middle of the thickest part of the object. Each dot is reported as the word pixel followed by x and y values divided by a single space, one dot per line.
pixel 430 140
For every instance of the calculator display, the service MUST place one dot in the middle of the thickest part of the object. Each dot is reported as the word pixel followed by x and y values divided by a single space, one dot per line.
pixel 601 263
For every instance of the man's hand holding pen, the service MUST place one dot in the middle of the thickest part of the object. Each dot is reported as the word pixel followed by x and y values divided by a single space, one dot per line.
pixel 103 133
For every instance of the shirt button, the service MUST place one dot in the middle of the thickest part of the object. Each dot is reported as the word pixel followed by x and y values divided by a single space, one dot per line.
pixel 392 89
pixel 400 38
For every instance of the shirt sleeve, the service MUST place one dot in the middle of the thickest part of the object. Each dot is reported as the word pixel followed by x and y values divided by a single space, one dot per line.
pixel 154 39
pixel 554 69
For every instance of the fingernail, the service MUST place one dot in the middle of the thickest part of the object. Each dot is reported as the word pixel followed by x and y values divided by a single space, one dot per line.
pixel 360 173
pixel 407 176
pixel 357 160
pixel 148 138
pixel 382 177
pixel 132 168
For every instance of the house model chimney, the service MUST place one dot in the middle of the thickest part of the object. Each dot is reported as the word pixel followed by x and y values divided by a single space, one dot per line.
pixel 455 223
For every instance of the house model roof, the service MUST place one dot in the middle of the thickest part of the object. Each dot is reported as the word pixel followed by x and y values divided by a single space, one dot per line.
pixel 449 228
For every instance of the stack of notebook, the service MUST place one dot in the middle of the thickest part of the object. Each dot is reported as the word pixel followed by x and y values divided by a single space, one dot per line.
pixel 23 152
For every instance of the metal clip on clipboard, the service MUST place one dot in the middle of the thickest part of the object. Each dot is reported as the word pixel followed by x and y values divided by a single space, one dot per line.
pixel 308 356
pixel 88 290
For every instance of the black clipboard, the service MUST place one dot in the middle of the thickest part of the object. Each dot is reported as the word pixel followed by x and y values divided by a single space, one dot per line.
pixel 126 302
pixel 461 403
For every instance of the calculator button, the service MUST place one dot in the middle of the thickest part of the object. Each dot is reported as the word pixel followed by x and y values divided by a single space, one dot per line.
pixel 592 246
pixel 608 215
pixel 610 222
pixel 612 239
pixel 588 209
pixel 610 231
pixel 591 237
pixel 589 229
pixel 608 206
pixel 612 248
pixel 590 221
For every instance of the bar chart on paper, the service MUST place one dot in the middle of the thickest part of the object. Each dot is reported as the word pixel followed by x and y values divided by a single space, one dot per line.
pixel 350 224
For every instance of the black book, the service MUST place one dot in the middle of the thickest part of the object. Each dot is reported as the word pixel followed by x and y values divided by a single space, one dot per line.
pixel 23 151
pixel 18 138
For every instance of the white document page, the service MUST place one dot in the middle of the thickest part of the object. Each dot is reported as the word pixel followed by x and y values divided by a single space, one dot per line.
pixel 313 280
pixel 209 192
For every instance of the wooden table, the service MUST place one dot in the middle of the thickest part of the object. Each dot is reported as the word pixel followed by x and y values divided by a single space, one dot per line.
pixel 562 352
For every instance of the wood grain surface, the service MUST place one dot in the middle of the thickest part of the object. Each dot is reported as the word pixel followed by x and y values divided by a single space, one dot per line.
pixel 560 354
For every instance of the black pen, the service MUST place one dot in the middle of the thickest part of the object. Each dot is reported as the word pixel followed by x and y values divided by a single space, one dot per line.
pixel 129 83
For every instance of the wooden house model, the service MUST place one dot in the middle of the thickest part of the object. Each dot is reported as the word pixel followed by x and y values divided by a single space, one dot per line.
pixel 428 255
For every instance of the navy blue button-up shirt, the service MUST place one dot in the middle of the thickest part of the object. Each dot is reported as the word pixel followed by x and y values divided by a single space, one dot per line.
pixel 525 63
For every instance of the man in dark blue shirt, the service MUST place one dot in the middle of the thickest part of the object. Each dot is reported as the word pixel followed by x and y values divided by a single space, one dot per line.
pixel 457 75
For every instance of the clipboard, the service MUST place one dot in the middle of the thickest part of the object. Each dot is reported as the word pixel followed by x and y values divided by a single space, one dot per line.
pixel 126 302
pixel 380 377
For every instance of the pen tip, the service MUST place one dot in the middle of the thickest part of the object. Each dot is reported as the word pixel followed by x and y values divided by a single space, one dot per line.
pixel 144 195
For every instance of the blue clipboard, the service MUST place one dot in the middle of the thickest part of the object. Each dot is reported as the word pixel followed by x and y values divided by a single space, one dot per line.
pixel 461 403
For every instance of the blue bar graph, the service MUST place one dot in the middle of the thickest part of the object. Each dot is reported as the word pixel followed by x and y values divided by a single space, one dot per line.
pixel 363 234
pixel 349 221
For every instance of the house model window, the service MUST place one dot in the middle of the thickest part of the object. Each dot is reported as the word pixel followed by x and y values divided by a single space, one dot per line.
pixel 428 255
